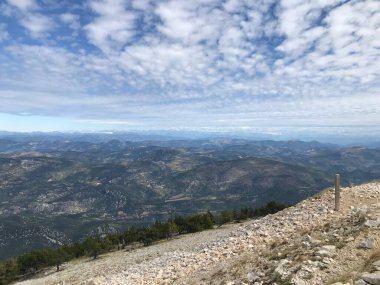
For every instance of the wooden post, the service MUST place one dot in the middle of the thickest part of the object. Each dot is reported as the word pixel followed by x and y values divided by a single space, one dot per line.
pixel 337 192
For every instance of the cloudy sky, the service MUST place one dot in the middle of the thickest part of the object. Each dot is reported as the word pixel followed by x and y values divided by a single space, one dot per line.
pixel 277 67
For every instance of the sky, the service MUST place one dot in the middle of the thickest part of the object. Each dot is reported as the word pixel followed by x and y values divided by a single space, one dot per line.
pixel 288 67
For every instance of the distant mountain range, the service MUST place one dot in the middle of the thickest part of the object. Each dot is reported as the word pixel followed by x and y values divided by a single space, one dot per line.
pixel 59 190
pixel 178 135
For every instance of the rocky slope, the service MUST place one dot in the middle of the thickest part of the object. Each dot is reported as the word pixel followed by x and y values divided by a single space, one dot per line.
pixel 308 243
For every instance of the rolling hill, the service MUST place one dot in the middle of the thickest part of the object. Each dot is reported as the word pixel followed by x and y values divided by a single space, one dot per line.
pixel 57 192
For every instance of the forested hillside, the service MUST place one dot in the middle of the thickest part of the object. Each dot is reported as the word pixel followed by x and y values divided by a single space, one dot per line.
pixel 54 192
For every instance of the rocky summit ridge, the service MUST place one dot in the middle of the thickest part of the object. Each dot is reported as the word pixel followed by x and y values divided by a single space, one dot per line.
pixel 308 243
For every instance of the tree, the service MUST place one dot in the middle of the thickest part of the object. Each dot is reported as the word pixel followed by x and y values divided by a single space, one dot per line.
pixel 8 271
pixel 92 247
pixel 114 238
pixel 34 260
pixel 77 249
pixel 236 215
pixel 131 235
pixel 211 216
pixel 273 207
pixel 106 244
pixel 60 255
pixel 181 224
pixel 207 221
pixel 171 229
pixel 225 217
pixel 198 222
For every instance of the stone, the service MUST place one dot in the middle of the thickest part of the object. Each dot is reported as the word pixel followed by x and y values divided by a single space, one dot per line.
pixel 372 223
pixel 360 282
pixel 372 278
pixel 377 265
pixel 307 269
pixel 312 241
pixel 329 247
pixel 253 276
pixel 326 251
pixel 327 260
pixel 298 281
pixel 280 271
pixel 323 209
pixel 368 243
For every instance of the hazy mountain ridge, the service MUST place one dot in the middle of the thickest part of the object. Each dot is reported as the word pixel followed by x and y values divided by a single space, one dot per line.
pixel 60 191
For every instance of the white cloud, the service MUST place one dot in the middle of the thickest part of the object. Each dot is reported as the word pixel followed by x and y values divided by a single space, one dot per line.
pixel 23 5
pixel 232 6
pixel 143 5
pixel 3 32
pixel 114 25
pixel 35 22
pixel 41 68
pixel 183 21
pixel 342 46
pixel 70 19
pixel 202 63
pixel 167 63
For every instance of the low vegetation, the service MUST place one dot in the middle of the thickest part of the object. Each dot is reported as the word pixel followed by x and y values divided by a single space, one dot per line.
pixel 28 264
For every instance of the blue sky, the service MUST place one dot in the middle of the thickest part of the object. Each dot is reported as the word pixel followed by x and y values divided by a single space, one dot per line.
pixel 276 67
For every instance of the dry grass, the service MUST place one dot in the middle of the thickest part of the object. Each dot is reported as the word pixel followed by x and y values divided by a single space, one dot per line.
pixel 375 256
pixel 354 275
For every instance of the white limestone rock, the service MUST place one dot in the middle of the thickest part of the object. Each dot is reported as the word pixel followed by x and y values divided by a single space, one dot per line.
pixel 372 278
pixel 377 265
pixel 360 282
pixel 253 276
pixel 326 251
pixel 280 271
pixel 368 243
pixel 372 223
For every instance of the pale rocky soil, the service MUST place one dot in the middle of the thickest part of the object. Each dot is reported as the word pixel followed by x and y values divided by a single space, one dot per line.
pixel 308 243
